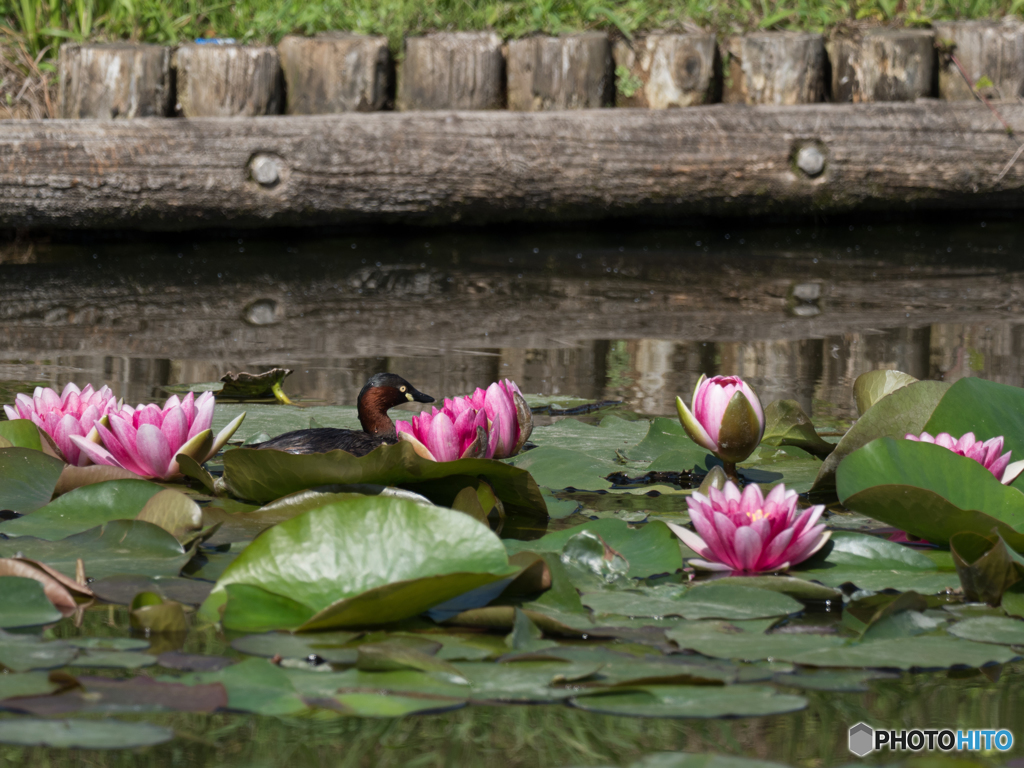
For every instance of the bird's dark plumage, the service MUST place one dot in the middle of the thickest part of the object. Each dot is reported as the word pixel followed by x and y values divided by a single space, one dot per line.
pixel 381 392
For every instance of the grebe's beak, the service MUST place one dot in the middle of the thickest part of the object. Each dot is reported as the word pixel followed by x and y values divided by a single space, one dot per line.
pixel 414 395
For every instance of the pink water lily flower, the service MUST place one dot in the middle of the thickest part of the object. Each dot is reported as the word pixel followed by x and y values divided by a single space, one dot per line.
pixel 725 417
pixel 147 439
pixel 751 533
pixel 443 436
pixel 72 413
pixel 499 413
pixel 985 453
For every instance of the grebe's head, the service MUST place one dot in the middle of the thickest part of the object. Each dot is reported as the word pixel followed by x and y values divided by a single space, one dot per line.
pixel 387 390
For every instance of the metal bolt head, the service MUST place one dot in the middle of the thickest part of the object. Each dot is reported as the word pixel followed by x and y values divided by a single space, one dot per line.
pixel 265 170
pixel 810 160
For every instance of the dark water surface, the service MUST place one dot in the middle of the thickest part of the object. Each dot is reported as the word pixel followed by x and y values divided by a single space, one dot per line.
pixel 799 312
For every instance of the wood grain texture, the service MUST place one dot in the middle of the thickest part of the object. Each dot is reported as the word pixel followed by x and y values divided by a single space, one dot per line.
pixel 481 167
pixel 672 70
pixel 986 49
pixel 883 65
pixel 114 81
pixel 228 80
pixel 774 68
pixel 334 73
pixel 452 70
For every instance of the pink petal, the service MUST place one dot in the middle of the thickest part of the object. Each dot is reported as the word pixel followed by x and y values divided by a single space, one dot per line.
pixel 441 440
pixel 175 428
pixel 124 455
pixel 96 453
pixel 153 450
pixel 747 547
pixel 204 414
pixel 61 435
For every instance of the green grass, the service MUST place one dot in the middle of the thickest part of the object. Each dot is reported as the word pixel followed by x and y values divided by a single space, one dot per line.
pixel 41 23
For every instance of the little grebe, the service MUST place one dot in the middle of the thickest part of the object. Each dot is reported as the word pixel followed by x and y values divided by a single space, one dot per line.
pixel 381 392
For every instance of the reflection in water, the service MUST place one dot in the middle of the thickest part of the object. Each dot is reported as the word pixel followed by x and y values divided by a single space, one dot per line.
pixel 799 313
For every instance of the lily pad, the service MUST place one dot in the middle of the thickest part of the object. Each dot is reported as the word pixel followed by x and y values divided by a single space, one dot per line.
pixel 929 491
pixel 990 629
pixel 120 546
pixel 21 433
pixel 27 478
pixel 649 550
pixel 905 411
pixel 691 701
pixel 84 508
pixel 717 600
pixel 26 684
pixel 264 475
pixel 872 386
pixel 614 435
pixel 560 468
pixel 376 560
pixel 787 424
pixel 278 419
pixel 252 685
pixel 82 734
pixel 20 653
pixel 23 603
pixel 667 435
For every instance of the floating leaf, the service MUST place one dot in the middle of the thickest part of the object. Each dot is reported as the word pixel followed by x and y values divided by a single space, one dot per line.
pixel 378 560
pixel 787 424
pixel 122 588
pixel 929 491
pixel 252 685
pixel 21 433
pixel 26 684
pixel 120 546
pixel 175 512
pixel 138 694
pixel 72 477
pixel 85 508
pixel 668 436
pixel 1001 630
pixel 27 478
pixel 20 653
pixel 614 435
pixel 265 475
pixel 82 734
pixel 101 659
pixel 872 386
pixel 691 701
pixel 903 412
pixel 23 603
pixel 526 636
pixel 559 468
pixel 717 600
pixel 328 646
pixel 984 565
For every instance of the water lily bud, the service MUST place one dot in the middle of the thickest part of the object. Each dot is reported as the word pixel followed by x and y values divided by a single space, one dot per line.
pixel 726 417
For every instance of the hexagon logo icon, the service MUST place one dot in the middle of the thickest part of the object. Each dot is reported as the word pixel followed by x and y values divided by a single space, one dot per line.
pixel 862 738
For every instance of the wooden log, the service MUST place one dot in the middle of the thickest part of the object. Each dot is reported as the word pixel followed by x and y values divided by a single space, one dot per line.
pixel 883 65
pixel 228 80
pixel 986 49
pixel 774 68
pixel 114 80
pixel 452 70
pixel 385 168
pixel 666 71
pixel 336 72
pixel 569 72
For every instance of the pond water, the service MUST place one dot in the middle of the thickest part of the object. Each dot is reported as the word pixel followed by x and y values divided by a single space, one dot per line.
pixel 799 311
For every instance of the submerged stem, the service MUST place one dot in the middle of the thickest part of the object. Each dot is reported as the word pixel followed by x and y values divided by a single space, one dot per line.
pixel 730 471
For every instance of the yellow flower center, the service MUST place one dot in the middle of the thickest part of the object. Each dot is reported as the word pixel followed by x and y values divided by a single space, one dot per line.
pixel 758 515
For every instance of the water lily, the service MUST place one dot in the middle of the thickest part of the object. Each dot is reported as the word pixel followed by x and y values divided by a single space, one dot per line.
pixel 73 412
pixel 725 417
pixel 749 532
pixel 147 439
pixel 989 453
pixel 444 436
pixel 492 423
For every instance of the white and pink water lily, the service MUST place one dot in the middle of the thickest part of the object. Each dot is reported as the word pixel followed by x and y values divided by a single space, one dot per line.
pixel 988 453
pixel 147 439
pixel 72 413
pixel 748 532
pixel 491 423
pixel 725 417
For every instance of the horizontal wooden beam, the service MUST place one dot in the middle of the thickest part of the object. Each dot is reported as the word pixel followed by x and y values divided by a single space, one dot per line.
pixel 483 167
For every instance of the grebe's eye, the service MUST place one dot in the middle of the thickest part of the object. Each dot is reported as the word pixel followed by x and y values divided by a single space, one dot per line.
pixel 401 389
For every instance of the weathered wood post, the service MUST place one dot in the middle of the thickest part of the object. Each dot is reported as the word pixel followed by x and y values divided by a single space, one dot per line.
pixel 228 80
pixel 114 80
pixel 452 70
pixel 986 49
pixel 774 68
pixel 569 72
pixel 666 70
pixel 883 65
pixel 335 72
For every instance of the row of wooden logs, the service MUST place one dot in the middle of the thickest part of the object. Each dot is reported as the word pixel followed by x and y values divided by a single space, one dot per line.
pixel 336 72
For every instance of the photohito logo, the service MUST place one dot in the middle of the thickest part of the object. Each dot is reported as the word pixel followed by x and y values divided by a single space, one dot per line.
pixel 864 739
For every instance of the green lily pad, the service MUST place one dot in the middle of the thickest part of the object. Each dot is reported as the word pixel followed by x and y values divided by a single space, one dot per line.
pixel 716 600
pixel 872 386
pixel 20 653
pixel 787 424
pixel 904 411
pixel 27 478
pixel 921 652
pixel 827 680
pixel 614 435
pixel 649 550
pixel 990 629
pixel 84 508
pixel 21 433
pixel 559 468
pixel 114 659
pixel 264 475
pixel 23 603
pixel 109 643
pixel 873 563
pixel 252 685
pixel 120 546
pixel 378 560
pixel 26 684
pixel 277 419
pixel 985 565
pixel 692 701
pixel 329 646
pixel 82 734
pixel 929 491
pixel 667 435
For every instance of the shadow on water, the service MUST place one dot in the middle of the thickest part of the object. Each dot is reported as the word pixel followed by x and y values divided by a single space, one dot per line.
pixel 798 311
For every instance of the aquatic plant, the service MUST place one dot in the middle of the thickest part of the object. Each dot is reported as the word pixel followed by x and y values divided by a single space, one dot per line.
pixel 147 439
pixel 751 533
pixel 73 412
pixel 725 417
pixel 499 413
pixel 988 454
